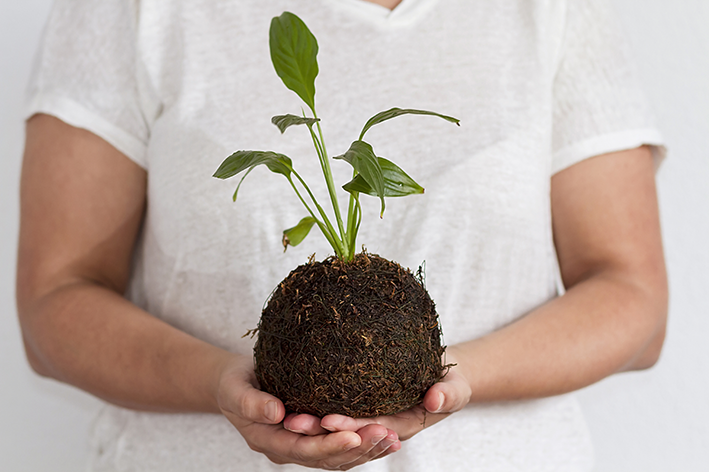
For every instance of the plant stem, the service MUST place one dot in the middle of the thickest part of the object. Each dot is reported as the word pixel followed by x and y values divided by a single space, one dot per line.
pixel 317 205
pixel 340 246
pixel 326 228
pixel 327 171
pixel 358 219
pixel 352 214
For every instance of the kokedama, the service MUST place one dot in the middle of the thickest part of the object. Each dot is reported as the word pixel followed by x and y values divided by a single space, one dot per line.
pixel 355 334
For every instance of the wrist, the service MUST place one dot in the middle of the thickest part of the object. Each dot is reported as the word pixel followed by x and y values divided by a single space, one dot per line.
pixel 196 370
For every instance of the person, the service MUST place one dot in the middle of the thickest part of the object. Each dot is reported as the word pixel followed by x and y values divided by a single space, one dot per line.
pixel 137 276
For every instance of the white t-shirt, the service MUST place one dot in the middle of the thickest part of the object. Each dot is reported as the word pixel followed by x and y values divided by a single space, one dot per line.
pixel 177 86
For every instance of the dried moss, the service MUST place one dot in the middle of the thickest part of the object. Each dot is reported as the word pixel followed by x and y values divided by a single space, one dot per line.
pixel 360 339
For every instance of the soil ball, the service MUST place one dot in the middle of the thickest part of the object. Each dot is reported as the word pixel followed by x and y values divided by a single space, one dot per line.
pixel 358 338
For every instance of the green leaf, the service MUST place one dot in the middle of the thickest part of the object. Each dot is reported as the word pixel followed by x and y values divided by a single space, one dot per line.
pixel 294 52
pixel 285 121
pixel 295 235
pixel 246 161
pixel 397 183
pixel 361 156
pixel 394 112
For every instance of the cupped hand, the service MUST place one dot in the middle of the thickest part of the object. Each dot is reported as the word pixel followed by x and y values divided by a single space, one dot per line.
pixel 449 395
pixel 258 416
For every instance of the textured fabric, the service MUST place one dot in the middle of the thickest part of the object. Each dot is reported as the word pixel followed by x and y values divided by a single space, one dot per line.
pixel 177 86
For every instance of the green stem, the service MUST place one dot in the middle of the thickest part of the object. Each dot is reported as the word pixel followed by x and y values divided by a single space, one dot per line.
pixel 350 214
pixel 337 244
pixel 334 240
pixel 325 162
pixel 352 210
pixel 318 147
pixel 327 229
pixel 317 205
pixel 358 219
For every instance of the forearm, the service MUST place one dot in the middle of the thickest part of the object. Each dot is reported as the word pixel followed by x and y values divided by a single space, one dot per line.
pixel 601 326
pixel 82 206
pixel 612 318
pixel 89 336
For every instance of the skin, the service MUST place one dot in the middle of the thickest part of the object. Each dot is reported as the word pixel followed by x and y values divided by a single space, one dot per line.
pixel 611 319
pixel 82 203
pixel 390 4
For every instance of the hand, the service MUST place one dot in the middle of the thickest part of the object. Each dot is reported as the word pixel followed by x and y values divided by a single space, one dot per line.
pixel 258 415
pixel 449 395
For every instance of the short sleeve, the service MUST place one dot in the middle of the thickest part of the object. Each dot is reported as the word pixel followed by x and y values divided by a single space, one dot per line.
pixel 599 106
pixel 85 73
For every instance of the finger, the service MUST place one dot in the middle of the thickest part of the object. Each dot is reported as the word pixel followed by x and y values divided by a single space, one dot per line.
pixel 389 445
pixel 392 449
pixel 250 405
pixel 303 424
pixel 406 423
pixel 345 423
pixel 448 396
pixel 283 446
pixel 383 448
pixel 376 439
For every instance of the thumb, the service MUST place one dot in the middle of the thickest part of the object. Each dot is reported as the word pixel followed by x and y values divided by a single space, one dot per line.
pixel 448 396
pixel 254 406
pixel 241 401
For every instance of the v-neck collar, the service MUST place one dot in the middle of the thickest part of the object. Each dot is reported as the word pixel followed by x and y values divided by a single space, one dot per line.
pixel 405 13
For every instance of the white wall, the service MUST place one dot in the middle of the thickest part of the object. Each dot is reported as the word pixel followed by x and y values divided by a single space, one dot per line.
pixel 650 421
pixel 43 424
pixel 659 420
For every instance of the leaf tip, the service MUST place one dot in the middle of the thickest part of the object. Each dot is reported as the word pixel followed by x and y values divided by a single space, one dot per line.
pixel 285 241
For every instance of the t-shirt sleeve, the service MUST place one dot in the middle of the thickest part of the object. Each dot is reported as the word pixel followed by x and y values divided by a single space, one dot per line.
pixel 85 73
pixel 598 103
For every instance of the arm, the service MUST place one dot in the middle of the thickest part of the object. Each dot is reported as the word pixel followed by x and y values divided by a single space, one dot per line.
pixel 82 203
pixel 611 319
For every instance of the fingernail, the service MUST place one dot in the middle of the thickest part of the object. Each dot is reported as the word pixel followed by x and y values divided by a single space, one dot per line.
pixel 271 411
pixel 292 430
pixel 377 439
pixel 441 401
pixel 386 444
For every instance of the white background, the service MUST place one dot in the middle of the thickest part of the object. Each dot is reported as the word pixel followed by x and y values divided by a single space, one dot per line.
pixel 656 420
